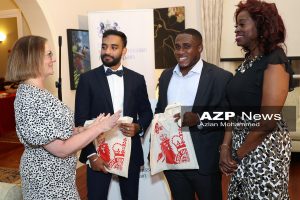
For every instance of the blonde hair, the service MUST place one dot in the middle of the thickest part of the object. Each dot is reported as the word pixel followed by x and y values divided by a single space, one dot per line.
pixel 26 58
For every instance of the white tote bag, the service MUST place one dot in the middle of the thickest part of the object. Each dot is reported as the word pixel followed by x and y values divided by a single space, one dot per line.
pixel 114 148
pixel 170 148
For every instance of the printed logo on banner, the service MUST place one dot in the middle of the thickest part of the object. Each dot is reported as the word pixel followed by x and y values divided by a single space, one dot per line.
pixel 103 26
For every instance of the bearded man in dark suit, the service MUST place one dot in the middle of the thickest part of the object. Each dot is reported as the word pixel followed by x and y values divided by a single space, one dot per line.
pixel 107 89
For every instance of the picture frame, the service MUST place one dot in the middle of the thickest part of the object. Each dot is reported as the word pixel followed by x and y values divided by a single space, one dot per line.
pixel 168 22
pixel 78 53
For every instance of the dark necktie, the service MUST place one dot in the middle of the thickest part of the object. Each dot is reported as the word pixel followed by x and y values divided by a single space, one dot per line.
pixel 110 72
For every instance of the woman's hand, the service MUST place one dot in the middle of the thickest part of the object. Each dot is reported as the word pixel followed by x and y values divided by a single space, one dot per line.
pixel 107 122
pixel 227 164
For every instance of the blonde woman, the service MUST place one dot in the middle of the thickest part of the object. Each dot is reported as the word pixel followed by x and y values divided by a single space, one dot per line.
pixel 45 125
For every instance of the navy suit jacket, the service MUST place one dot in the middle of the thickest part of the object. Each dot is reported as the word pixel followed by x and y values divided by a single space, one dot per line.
pixel 93 97
pixel 210 96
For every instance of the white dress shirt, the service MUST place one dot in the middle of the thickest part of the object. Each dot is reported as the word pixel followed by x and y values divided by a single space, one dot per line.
pixel 183 89
pixel 116 87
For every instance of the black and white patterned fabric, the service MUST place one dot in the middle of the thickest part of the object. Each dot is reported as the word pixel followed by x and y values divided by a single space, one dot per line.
pixel 40 119
pixel 264 172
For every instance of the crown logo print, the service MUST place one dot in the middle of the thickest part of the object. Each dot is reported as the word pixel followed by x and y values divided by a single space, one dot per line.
pixel 119 149
pixel 178 141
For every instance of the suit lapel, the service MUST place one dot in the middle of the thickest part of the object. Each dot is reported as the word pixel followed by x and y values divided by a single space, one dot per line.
pixel 165 85
pixel 127 86
pixel 204 85
pixel 105 88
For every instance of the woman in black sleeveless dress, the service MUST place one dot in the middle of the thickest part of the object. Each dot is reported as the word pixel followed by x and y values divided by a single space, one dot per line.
pixel 257 152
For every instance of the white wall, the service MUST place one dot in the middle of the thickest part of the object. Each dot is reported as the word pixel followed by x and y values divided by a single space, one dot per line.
pixel 7 5
pixel 51 19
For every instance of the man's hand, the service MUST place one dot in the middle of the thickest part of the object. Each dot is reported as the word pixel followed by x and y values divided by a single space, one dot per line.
pixel 190 119
pixel 176 117
pixel 97 164
pixel 129 129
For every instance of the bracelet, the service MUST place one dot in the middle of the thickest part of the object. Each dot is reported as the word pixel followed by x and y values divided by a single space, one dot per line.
pixel 95 159
pixel 226 145
pixel 235 156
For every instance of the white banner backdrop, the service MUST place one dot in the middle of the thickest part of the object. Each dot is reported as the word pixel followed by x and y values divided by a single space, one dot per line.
pixel 138 25
pixel 139 29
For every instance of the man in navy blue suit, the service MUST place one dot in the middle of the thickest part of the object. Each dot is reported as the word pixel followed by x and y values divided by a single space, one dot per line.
pixel 197 85
pixel 107 89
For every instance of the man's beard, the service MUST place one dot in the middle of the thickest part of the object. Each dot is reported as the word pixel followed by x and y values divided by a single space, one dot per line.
pixel 112 63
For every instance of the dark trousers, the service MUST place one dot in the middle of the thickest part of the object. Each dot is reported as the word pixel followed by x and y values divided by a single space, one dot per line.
pixel 98 184
pixel 184 184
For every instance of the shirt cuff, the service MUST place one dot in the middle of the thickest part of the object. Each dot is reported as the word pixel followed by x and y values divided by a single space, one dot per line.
pixel 141 131
pixel 91 155
pixel 88 161
pixel 199 126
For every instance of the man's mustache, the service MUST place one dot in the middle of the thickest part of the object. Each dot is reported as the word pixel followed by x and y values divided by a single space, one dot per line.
pixel 105 55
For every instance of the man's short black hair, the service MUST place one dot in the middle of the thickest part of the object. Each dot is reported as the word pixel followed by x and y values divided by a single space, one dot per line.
pixel 117 33
pixel 192 32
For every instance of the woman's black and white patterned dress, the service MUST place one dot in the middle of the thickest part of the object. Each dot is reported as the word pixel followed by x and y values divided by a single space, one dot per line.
pixel 40 119
pixel 264 172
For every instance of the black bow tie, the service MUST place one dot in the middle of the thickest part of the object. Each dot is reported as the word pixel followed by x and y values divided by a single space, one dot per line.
pixel 110 72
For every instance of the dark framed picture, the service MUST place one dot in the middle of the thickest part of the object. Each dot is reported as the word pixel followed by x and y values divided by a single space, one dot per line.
pixel 168 22
pixel 79 54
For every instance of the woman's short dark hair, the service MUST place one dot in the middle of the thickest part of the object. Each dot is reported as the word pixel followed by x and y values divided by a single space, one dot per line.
pixel 270 27
pixel 26 58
